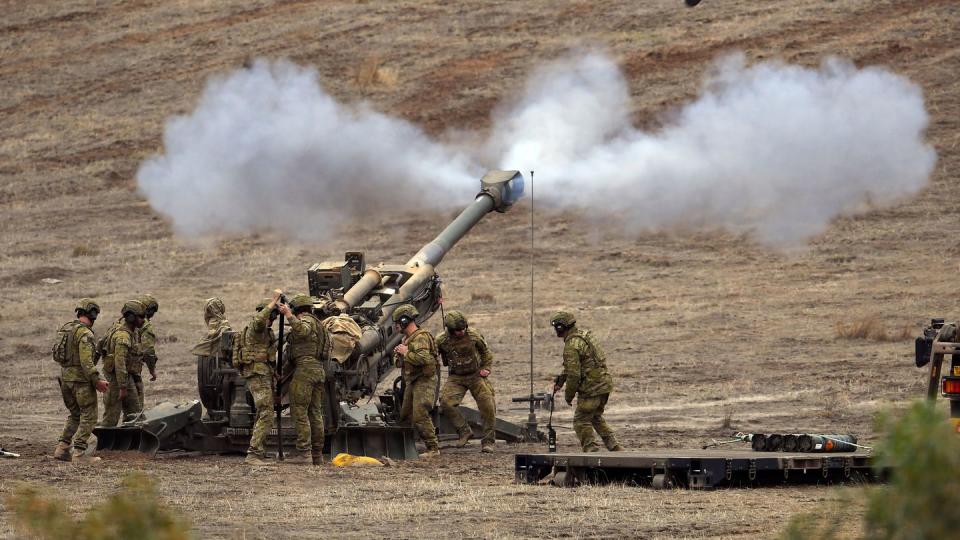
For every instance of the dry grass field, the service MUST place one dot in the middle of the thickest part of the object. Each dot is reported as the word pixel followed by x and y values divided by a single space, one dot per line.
pixel 707 332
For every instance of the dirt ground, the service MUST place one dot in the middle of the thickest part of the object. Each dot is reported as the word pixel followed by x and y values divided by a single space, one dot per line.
pixel 707 333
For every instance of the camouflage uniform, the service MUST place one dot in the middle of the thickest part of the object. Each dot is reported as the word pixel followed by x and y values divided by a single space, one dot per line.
pixel 420 368
pixel 122 343
pixel 466 356
pixel 586 377
pixel 309 347
pixel 77 385
pixel 257 346
pixel 146 354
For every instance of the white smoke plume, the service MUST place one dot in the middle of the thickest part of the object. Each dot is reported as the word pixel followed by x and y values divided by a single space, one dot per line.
pixel 774 150
pixel 267 147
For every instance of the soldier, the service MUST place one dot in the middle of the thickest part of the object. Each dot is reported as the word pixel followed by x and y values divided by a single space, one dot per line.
pixel 146 353
pixel 309 347
pixel 79 381
pixel 586 377
pixel 417 356
pixel 257 346
pixel 214 316
pixel 121 343
pixel 465 352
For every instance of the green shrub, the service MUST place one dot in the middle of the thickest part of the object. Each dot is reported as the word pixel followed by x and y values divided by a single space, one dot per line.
pixel 133 513
pixel 923 497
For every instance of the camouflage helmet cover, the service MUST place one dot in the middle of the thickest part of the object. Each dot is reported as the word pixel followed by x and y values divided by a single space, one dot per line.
pixel 301 300
pixel 405 309
pixel 563 318
pixel 87 305
pixel 135 307
pixel 455 320
pixel 149 302
pixel 263 304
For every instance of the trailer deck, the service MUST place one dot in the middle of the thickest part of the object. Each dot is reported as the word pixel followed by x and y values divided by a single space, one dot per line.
pixel 695 469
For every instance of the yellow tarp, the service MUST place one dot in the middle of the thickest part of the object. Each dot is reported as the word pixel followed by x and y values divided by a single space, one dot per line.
pixel 347 460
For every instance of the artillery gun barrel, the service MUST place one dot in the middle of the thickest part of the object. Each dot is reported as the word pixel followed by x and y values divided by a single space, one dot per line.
pixel 498 191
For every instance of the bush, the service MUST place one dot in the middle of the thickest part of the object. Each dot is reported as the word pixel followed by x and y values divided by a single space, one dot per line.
pixel 924 492
pixel 923 495
pixel 133 513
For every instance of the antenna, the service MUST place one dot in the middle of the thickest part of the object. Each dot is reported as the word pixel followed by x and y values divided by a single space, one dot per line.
pixel 532 417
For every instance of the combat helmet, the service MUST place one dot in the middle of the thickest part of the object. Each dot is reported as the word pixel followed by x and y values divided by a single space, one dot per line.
pixel 301 302
pixel 149 303
pixel 88 307
pixel 134 307
pixel 263 304
pixel 405 314
pixel 455 320
pixel 562 320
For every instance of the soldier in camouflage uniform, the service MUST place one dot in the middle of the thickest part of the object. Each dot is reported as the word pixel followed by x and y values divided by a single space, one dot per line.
pixel 586 377
pixel 469 360
pixel 256 347
pixel 308 347
pixel 122 342
pixel 79 382
pixel 146 354
pixel 416 355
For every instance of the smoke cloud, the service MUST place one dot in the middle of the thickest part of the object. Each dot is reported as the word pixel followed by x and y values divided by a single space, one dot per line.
pixel 773 150
pixel 267 147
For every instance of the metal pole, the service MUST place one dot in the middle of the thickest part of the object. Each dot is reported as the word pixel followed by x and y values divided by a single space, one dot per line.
pixel 532 419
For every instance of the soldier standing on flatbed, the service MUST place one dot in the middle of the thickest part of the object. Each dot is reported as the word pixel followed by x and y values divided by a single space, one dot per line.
pixel 256 347
pixel 79 380
pixel 147 353
pixel 309 346
pixel 122 342
pixel 586 377
pixel 416 355
pixel 464 351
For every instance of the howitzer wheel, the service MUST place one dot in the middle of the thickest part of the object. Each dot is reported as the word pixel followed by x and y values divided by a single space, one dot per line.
pixel 662 481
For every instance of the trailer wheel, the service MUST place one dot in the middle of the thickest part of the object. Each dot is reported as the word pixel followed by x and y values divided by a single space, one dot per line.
pixel 662 481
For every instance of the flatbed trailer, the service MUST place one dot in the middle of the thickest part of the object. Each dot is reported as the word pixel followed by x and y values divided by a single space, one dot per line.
pixel 695 469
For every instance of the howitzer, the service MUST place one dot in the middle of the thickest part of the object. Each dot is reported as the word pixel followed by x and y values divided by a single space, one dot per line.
pixel 353 421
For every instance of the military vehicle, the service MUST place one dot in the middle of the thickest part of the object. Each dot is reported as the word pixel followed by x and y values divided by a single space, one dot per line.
pixel 938 340
pixel 355 423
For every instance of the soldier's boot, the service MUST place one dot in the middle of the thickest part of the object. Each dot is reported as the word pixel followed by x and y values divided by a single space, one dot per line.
pixel 487 448
pixel 612 444
pixel 62 452
pixel 431 453
pixel 300 458
pixel 254 459
pixel 81 456
pixel 464 438
pixel 317 457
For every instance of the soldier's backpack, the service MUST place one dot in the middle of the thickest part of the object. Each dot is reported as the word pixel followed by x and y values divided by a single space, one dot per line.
pixel 64 342
pixel 102 346
pixel 345 334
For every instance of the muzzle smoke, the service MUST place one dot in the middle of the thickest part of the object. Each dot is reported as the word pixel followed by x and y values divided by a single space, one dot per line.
pixel 774 150
pixel 268 148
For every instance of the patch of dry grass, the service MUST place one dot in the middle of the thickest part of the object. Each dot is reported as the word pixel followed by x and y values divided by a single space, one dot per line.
pixel 872 328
